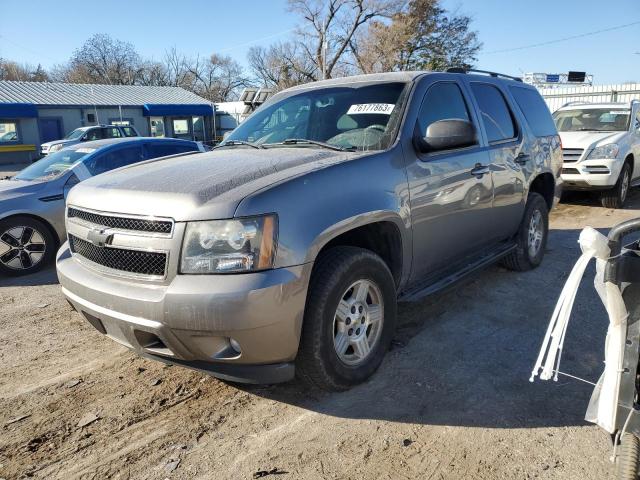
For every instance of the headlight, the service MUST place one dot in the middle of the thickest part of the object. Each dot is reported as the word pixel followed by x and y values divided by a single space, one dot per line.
pixel 604 151
pixel 229 246
pixel 56 147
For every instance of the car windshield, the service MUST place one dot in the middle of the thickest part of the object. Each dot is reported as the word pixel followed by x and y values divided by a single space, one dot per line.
pixel 77 133
pixel 592 120
pixel 362 118
pixel 53 165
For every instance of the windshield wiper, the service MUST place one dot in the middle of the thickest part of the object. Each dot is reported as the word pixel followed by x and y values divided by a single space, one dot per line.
pixel 302 141
pixel 230 143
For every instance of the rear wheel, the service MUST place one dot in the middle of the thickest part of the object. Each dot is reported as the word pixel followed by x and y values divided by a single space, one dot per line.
pixel 616 196
pixel 627 457
pixel 349 319
pixel 531 238
pixel 26 245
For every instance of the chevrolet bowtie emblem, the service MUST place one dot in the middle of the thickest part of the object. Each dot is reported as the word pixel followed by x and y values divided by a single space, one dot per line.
pixel 99 237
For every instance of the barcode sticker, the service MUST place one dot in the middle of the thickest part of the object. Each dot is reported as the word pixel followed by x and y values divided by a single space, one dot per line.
pixel 381 108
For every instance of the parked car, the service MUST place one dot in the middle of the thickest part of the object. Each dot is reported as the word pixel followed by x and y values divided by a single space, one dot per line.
pixel 287 247
pixel 601 145
pixel 88 134
pixel 32 202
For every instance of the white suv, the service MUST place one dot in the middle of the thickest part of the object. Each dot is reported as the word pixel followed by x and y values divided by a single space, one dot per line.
pixel 601 148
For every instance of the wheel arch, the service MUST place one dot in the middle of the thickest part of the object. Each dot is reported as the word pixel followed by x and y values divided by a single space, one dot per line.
pixel 544 184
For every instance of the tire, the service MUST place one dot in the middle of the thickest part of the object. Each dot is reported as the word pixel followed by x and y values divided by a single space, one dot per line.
pixel 616 196
pixel 325 330
pixel 26 246
pixel 527 256
pixel 627 457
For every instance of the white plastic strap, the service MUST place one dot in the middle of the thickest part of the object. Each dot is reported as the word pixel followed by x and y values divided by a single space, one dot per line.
pixel 593 245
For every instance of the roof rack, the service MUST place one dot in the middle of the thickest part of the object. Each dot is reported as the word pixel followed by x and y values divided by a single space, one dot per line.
pixel 486 72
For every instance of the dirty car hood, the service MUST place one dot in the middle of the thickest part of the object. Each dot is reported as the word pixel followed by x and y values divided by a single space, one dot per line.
pixel 199 186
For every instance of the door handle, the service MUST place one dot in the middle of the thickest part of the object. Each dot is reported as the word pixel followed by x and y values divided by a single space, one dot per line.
pixel 522 158
pixel 480 170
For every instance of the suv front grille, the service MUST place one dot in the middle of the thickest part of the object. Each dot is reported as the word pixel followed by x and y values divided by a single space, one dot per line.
pixel 122 223
pixel 571 155
pixel 130 261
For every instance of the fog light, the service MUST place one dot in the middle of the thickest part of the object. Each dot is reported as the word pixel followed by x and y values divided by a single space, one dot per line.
pixel 235 345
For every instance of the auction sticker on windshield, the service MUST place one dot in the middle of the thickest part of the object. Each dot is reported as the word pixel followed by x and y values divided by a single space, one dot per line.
pixel 381 108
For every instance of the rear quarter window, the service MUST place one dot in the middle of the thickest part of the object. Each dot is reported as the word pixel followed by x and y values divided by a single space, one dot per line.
pixel 535 111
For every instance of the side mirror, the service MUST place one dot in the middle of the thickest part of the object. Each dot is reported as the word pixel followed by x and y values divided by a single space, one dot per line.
pixel 446 135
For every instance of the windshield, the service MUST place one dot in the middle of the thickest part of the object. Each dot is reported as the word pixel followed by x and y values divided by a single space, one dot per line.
pixel 363 118
pixel 592 120
pixel 53 165
pixel 77 133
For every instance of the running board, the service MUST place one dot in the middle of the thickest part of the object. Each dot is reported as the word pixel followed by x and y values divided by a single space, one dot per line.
pixel 434 285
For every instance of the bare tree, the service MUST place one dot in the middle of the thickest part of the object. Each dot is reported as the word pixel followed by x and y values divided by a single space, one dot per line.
pixel 102 59
pixel 217 78
pixel 424 36
pixel 10 70
pixel 281 65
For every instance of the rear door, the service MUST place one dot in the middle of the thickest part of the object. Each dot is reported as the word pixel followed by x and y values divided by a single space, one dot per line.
pixel 450 191
pixel 509 152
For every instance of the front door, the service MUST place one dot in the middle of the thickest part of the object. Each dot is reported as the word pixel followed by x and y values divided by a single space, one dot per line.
pixel 50 129
pixel 451 191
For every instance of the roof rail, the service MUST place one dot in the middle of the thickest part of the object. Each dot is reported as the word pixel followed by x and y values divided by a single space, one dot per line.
pixel 486 72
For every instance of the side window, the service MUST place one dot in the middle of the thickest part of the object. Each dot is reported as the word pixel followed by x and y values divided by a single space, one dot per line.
pixel 94 134
pixel 129 132
pixel 110 132
pixel 496 116
pixel 114 159
pixel 636 124
pixel 155 150
pixel 443 101
pixel 535 111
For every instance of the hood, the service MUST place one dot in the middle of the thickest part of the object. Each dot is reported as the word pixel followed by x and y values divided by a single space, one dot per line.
pixel 11 189
pixel 57 142
pixel 586 140
pixel 199 186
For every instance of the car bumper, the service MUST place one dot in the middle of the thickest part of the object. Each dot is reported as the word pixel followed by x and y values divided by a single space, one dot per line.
pixel 192 320
pixel 594 174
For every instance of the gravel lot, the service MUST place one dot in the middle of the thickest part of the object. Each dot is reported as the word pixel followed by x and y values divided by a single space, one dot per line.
pixel 451 401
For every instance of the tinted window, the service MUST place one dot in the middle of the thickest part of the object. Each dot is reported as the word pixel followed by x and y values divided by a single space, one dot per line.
pixel 111 132
pixel 114 159
pixel 155 150
pixel 496 116
pixel 535 111
pixel 443 101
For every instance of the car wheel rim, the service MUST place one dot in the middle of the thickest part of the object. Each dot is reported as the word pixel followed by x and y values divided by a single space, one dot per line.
pixel 357 323
pixel 536 233
pixel 21 248
pixel 624 188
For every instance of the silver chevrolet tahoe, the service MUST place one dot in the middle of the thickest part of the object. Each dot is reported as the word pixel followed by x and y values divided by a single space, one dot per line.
pixel 285 249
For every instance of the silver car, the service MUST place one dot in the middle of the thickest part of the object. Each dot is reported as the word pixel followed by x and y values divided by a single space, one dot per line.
pixel 32 202
pixel 286 249
pixel 88 134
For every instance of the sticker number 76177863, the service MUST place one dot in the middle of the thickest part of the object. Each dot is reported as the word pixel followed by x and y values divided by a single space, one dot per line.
pixel 381 108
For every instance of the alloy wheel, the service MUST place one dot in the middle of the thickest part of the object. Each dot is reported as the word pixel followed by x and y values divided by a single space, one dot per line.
pixel 535 233
pixel 21 247
pixel 357 323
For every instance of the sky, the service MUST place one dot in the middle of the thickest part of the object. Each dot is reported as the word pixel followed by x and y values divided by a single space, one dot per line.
pixel 47 32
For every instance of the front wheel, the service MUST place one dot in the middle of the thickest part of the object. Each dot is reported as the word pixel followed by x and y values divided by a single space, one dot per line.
pixel 26 245
pixel 531 238
pixel 616 196
pixel 349 320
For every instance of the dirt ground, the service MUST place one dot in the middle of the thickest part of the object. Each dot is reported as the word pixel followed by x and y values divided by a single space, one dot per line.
pixel 451 401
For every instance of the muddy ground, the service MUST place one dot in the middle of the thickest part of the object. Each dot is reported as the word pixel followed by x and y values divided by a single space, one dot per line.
pixel 451 401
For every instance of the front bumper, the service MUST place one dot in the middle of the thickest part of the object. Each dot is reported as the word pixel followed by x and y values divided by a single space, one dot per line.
pixel 596 174
pixel 192 320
